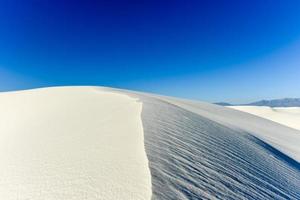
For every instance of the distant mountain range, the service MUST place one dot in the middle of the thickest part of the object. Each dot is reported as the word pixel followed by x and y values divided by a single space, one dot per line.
pixel 223 104
pixel 285 102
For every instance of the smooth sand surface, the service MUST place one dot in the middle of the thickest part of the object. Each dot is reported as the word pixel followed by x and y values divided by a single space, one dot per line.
pixel 288 116
pixel 72 143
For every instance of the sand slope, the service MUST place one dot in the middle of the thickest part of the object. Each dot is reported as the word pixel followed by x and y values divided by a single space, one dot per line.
pixel 283 138
pixel 194 157
pixel 288 116
pixel 103 143
pixel 72 143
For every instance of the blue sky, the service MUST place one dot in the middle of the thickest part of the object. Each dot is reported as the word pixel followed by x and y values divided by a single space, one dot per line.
pixel 235 51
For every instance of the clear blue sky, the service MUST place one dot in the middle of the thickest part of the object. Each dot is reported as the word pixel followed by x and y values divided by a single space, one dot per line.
pixel 224 50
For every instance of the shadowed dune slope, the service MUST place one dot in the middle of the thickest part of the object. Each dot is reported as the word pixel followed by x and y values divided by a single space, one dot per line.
pixel 192 157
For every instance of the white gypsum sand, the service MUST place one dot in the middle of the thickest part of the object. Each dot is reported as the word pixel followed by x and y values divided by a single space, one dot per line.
pixel 91 143
pixel 72 143
pixel 198 150
pixel 285 139
pixel 288 116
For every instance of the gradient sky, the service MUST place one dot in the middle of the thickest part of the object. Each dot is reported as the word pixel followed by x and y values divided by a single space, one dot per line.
pixel 235 51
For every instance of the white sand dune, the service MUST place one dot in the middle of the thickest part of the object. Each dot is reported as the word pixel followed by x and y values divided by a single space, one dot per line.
pixel 198 150
pixel 288 116
pixel 72 143
pixel 104 143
